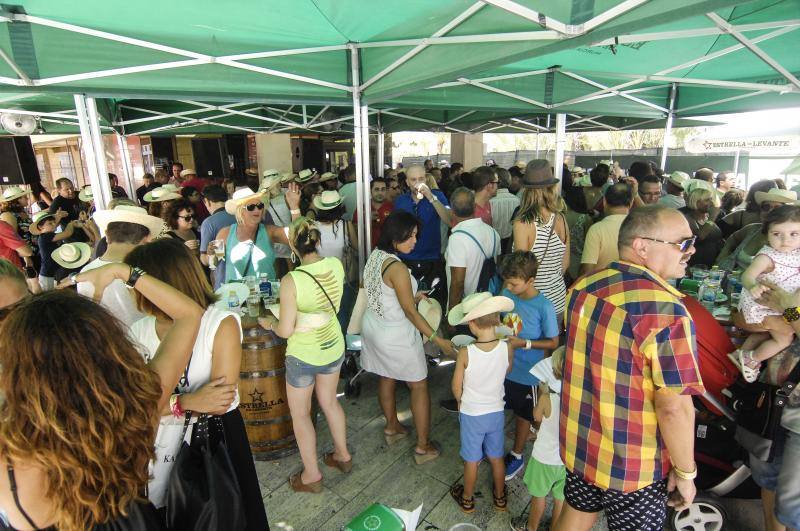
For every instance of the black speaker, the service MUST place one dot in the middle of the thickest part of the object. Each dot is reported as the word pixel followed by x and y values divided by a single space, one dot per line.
pixel 313 154
pixel 210 155
pixel 18 161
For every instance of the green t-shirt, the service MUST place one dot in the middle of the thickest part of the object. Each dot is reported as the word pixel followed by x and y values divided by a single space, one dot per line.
pixel 325 344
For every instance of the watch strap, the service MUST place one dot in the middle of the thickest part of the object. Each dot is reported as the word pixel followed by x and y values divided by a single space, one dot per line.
pixel 136 274
pixel 791 315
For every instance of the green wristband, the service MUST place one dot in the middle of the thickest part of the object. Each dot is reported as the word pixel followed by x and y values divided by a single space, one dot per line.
pixel 430 338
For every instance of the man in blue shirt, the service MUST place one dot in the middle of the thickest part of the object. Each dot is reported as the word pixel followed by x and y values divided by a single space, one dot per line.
pixel 214 199
pixel 431 207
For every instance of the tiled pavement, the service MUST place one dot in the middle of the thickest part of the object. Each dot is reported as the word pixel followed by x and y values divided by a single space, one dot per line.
pixel 389 475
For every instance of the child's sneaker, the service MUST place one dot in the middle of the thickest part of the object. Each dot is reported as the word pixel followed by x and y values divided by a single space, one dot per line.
pixel 513 465
pixel 520 523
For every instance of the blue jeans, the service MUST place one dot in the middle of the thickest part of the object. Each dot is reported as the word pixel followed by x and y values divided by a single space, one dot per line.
pixel 782 476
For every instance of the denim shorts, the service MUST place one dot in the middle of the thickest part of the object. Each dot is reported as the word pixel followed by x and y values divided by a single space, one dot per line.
pixel 301 374
pixel 781 476
pixel 481 435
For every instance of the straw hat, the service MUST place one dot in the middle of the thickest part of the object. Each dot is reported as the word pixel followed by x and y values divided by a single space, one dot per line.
pixel 13 192
pixel 690 185
pixel 72 255
pixel 86 194
pixel 538 175
pixel 777 195
pixel 327 176
pixel 305 322
pixel 187 172
pixel 305 175
pixel 166 192
pixel 520 164
pixel 240 197
pixel 327 200
pixel 270 173
pixel 678 178
pixel 41 215
pixel 577 169
pixel 431 311
pixel 287 177
pixel 478 305
pixel 270 181
pixel 128 214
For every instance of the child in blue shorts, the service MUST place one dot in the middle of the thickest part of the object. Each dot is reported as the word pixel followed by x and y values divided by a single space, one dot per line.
pixel 480 371
pixel 545 473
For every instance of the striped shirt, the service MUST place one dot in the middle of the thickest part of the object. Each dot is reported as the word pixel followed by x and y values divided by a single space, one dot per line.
pixel 550 275
pixel 628 334
pixel 503 206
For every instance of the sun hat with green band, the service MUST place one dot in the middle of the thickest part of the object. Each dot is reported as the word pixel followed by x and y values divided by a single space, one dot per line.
pixel 72 255
pixel 478 305
pixel 327 200
pixel 13 192
pixel 305 175
pixel 41 216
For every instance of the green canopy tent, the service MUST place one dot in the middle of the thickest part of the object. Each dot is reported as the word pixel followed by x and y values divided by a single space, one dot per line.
pixel 513 59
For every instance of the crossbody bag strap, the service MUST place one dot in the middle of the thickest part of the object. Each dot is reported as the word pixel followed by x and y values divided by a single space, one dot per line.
pixel 333 306
pixel 549 237
pixel 387 266
pixel 473 239
pixel 791 382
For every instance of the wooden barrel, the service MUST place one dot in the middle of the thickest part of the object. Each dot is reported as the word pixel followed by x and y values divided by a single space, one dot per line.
pixel 262 393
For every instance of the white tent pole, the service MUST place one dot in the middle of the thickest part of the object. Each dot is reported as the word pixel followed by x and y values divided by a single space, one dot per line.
pixel 93 152
pixel 561 140
pixel 379 150
pixel 366 205
pixel 357 146
pixel 673 92
pixel 127 167
pixel 537 145
pixel 736 165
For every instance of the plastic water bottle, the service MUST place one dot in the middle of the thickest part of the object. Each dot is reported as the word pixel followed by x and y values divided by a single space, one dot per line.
pixel 264 286
pixel 233 301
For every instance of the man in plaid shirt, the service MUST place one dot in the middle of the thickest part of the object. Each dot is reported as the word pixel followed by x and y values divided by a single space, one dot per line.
pixel 627 418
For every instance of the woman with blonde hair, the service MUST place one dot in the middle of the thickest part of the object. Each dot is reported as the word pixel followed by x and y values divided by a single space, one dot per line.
pixel 80 408
pixel 540 227
pixel 699 204
pixel 313 357
pixel 209 383
pixel 248 242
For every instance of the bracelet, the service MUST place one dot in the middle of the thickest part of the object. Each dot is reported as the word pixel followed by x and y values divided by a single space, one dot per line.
pixel 433 198
pixel 294 211
pixel 682 474
pixel 791 315
pixel 430 338
pixel 135 275
pixel 175 406
pixel 528 344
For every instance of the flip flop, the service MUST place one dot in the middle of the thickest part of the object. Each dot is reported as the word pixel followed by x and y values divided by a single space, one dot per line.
pixel 433 452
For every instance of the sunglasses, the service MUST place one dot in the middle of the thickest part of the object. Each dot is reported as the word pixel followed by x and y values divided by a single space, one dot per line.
pixel 769 207
pixel 190 217
pixel 254 206
pixel 683 245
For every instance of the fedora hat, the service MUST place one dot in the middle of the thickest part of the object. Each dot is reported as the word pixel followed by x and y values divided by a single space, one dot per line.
pixel 41 216
pixel 305 175
pixel 431 311
pixel 165 192
pixel 86 194
pixel 577 169
pixel 240 197
pixel 327 200
pixel 270 172
pixel 327 176
pixel 306 322
pixel 777 195
pixel 287 177
pixel 129 214
pixel 13 192
pixel 187 172
pixel 270 181
pixel 72 255
pixel 538 174
pixel 478 305
pixel 678 178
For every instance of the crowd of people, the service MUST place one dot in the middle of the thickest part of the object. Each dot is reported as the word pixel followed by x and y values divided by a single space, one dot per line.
pixel 598 360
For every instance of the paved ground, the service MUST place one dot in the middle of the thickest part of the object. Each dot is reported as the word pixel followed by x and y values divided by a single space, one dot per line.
pixel 389 475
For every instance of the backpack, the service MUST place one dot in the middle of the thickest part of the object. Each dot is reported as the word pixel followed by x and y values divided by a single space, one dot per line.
pixel 489 267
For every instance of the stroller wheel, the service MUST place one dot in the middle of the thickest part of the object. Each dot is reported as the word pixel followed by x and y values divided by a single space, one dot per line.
pixel 705 514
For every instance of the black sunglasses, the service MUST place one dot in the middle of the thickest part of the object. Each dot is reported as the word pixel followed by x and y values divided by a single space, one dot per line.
pixel 189 217
pixel 769 207
pixel 254 206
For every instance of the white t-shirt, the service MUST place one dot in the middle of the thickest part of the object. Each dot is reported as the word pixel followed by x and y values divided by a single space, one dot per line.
pixel 281 216
pixel 117 298
pixel 332 242
pixel 462 251
pixel 546 448
pixel 349 198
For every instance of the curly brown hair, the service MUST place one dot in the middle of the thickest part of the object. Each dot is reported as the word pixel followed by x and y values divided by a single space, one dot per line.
pixel 170 211
pixel 80 403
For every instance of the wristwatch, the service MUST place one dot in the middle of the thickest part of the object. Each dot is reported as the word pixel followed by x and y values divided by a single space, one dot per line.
pixel 791 315
pixel 136 274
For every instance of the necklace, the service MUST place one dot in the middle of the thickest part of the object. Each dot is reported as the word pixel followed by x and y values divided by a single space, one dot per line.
pixel 484 342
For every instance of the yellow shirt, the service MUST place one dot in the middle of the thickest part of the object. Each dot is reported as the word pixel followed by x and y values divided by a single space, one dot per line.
pixel 600 246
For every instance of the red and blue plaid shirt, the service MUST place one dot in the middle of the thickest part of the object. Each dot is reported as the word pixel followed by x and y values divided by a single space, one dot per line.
pixel 628 334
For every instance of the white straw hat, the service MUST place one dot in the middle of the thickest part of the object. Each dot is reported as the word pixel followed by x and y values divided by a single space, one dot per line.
pixel 72 255
pixel 240 197
pixel 678 178
pixel 327 176
pixel 327 200
pixel 128 214
pixel 478 305
pixel 269 182
pixel 305 175
pixel 777 195
pixel 187 172
pixel 13 192
pixel 431 311
pixel 270 172
pixel 86 194
pixel 166 192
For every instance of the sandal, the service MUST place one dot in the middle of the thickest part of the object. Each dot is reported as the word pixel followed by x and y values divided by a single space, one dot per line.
pixel 501 502
pixel 297 485
pixel 466 505
pixel 739 358
pixel 392 438
pixel 344 466
pixel 428 455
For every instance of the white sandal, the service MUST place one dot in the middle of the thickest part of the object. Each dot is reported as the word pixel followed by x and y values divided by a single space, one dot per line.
pixel 738 358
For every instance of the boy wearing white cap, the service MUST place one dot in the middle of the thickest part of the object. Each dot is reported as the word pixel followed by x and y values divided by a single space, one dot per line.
pixel 481 369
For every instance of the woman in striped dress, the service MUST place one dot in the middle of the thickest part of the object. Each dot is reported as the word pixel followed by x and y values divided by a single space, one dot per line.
pixel 541 228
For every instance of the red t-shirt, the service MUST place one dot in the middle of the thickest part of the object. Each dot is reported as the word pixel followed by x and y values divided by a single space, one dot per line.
pixel 485 213
pixel 9 243
pixel 197 182
pixel 377 222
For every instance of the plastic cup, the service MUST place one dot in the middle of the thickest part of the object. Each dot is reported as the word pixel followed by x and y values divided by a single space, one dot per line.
pixel 253 305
